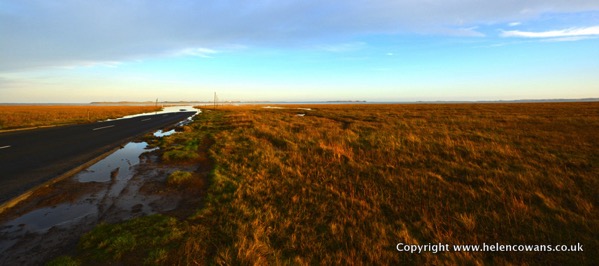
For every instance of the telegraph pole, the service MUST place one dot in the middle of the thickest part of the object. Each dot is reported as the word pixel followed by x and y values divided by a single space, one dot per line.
pixel 215 100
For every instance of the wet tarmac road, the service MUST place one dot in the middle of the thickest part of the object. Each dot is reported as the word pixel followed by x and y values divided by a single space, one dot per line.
pixel 30 158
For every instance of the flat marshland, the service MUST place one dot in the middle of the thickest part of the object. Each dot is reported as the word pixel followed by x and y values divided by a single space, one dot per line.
pixel 344 184
pixel 20 116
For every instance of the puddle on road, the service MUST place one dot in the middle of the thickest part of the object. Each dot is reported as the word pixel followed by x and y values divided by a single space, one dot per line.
pixel 114 196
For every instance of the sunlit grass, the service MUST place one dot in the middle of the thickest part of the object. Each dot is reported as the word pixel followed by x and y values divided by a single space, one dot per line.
pixel 179 178
pixel 345 183
pixel 19 116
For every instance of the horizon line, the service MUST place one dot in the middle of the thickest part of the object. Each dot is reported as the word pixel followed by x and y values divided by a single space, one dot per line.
pixel 589 99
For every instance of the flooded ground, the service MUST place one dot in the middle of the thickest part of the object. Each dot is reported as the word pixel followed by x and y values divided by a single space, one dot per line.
pixel 161 133
pixel 128 183
pixel 165 110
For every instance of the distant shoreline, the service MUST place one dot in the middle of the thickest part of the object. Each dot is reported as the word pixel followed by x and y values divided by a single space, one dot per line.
pixel 176 103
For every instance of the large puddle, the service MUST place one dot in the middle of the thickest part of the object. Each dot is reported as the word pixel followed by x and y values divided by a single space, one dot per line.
pixel 116 166
pixel 106 191
pixel 114 192
pixel 165 110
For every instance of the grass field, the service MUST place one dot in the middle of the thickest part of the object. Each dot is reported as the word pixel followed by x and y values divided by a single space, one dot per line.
pixel 20 116
pixel 345 184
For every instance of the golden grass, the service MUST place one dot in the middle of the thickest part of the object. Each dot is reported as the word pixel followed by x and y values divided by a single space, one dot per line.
pixel 20 116
pixel 345 183
pixel 179 178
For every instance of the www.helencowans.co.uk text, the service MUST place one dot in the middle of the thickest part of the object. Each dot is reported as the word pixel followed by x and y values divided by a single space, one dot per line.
pixel 439 247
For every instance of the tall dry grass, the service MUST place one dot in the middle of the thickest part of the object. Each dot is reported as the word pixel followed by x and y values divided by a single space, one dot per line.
pixel 344 184
pixel 20 116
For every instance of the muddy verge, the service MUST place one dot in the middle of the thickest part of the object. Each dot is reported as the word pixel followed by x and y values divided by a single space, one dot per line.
pixel 120 187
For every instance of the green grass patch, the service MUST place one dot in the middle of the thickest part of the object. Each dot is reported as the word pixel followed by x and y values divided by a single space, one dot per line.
pixel 179 156
pixel 179 178
pixel 64 261
pixel 144 240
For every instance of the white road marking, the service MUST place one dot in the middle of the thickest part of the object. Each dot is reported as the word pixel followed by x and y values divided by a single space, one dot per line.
pixel 5 147
pixel 146 119
pixel 98 128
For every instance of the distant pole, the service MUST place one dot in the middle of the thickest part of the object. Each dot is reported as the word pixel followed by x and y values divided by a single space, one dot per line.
pixel 215 100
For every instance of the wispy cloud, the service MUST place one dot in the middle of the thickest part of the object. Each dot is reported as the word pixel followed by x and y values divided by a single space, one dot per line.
pixel 199 52
pixel 78 64
pixel 464 32
pixel 571 32
pixel 54 33
pixel 569 39
pixel 514 24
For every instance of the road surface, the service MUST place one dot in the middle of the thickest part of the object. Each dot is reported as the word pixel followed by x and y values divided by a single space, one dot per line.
pixel 31 157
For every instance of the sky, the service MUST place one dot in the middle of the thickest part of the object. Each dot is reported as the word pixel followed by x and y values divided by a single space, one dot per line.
pixel 74 51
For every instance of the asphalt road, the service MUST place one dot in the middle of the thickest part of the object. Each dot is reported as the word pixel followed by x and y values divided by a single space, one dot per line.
pixel 31 157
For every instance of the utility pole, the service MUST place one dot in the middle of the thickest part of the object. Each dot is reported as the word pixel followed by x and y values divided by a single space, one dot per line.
pixel 215 100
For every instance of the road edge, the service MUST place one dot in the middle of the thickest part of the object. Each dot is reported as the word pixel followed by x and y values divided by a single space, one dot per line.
pixel 25 195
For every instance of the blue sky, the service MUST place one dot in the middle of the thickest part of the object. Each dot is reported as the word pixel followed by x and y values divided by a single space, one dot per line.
pixel 83 51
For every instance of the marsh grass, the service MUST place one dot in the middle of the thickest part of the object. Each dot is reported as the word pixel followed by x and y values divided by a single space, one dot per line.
pixel 345 183
pixel 20 116
pixel 144 240
pixel 179 178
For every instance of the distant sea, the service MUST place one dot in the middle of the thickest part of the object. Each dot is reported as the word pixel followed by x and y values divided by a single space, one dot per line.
pixel 196 103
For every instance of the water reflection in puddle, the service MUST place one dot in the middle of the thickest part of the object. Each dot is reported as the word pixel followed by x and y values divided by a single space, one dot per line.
pixel 114 197
pixel 165 110
pixel 41 220
pixel 115 166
